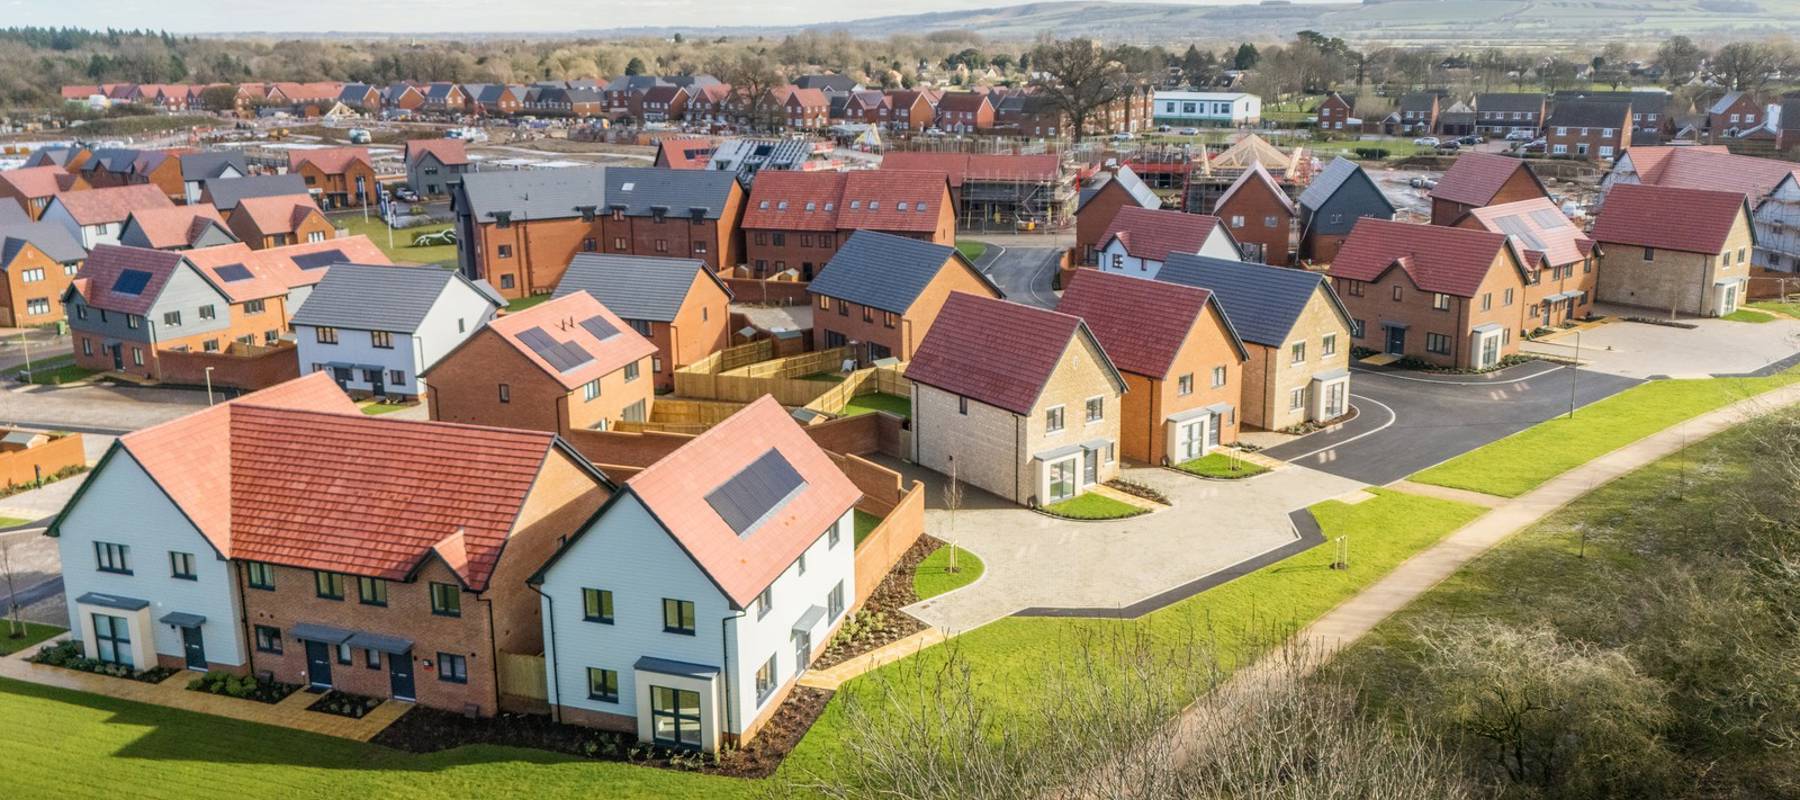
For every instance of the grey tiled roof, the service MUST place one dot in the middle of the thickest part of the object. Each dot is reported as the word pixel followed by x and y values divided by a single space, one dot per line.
pixel 1140 191
pixel 635 287
pixel 12 213
pixel 1262 302
pixel 1591 114
pixel 561 193
pixel 640 189
pixel 882 270
pixel 379 298
pixel 55 240
pixel 200 166
pixel 226 192
pixel 1326 183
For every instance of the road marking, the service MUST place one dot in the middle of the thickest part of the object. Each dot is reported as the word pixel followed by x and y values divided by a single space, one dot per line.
pixel 1546 371
pixel 1392 418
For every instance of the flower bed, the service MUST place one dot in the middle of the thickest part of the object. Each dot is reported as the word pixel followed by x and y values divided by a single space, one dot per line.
pixel 242 686
pixel 880 621
pixel 68 655
pixel 345 704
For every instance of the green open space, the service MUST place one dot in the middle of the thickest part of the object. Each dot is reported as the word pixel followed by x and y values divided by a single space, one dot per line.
pixel 375 408
pixel 34 632
pixel 1521 462
pixel 865 524
pixel 971 249
pixel 878 401
pixel 526 302
pixel 933 576
pixel 1090 505
pixel 1746 315
pixel 1221 465
pixel 402 249
pixel 1790 309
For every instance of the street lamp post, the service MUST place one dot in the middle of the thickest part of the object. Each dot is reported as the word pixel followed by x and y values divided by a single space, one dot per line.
pixel 1573 369
pixel 209 392
pixel 25 341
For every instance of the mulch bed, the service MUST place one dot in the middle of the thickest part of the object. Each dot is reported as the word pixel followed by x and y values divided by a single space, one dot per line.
pixel 344 704
pixel 68 655
pixel 880 621
pixel 427 730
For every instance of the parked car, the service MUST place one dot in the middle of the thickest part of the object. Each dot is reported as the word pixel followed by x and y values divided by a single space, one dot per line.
pixel 1534 146
pixel 1427 141
pixel 1189 131
pixel 1123 136
pixel 406 194
pixel 1520 136
pixel 1162 129
pixel 1471 141
pixel 1422 183
pixel 1448 147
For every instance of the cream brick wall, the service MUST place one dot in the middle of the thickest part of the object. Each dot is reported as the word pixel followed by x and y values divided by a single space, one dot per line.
pixel 1282 376
pixel 1674 280
pixel 1079 376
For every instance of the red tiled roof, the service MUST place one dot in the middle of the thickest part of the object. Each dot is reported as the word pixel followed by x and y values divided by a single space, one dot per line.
pixel 561 320
pixel 330 160
pixel 962 101
pixel 100 273
pixel 175 226
pixel 374 496
pixel 37 181
pixel 111 204
pixel 1142 324
pixel 811 200
pixel 686 152
pixel 190 457
pixel 962 167
pixel 262 283
pixel 1668 218
pixel 280 213
pixel 1153 233
pixel 449 152
pixel 1541 227
pixel 1474 178
pixel 842 200
pixel 994 351
pixel 1710 168
pixel 1437 258
pixel 675 489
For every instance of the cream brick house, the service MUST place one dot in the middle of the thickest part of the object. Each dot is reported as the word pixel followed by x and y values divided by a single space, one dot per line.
pixel 1685 251
pixel 1017 400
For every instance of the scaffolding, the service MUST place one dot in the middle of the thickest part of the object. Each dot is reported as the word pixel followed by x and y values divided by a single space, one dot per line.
pixel 1777 223
pixel 995 189
pixel 1213 173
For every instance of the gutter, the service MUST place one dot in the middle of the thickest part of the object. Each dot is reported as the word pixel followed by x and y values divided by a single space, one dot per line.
pixel 493 652
pixel 725 655
pixel 555 664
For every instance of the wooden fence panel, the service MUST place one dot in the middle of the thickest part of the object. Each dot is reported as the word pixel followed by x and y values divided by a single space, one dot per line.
pixel 523 675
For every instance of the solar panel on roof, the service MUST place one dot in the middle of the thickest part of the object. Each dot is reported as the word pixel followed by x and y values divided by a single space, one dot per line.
pixel 744 500
pixel 1549 218
pixel 323 258
pixel 599 327
pixel 232 273
pixel 563 356
pixel 131 281
pixel 1517 227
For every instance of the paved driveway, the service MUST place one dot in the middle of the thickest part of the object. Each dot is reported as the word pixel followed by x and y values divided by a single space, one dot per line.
pixel 1407 421
pixel 93 408
pixel 1024 273
pixel 1714 347
pixel 1042 563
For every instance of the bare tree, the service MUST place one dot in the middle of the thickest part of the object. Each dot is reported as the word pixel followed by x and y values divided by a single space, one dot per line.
pixel 953 498
pixel 1745 65
pixel 752 76
pixel 15 627
pixel 1083 78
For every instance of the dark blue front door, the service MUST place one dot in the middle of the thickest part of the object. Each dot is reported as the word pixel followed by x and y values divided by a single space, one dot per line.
pixel 400 676
pixel 1396 340
pixel 318 665
pixel 194 648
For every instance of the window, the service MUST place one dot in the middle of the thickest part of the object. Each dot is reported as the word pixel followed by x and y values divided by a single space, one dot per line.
pixel 446 600
pixel 834 602
pixel 268 640
pixel 326 335
pixel 603 685
pixel 371 591
pixel 678 616
pixel 253 306
pixel 824 303
pixel 1053 419
pixel 642 326
pixel 1507 299
pixel 31 275
pixel 1237 220
pixel 506 281
pixel 113 557
pixel 1356 329
pixel 396 376
pixel 505 393
pixel 1218 377
pixel 210 345
pixel 329 585
pixel 1437 343
pixel 1297 399
pixel 260 575
pixel 589 245
pixel 1096 409
pixel 87 346
pixel 631 372
pixel 1328 345
pixel 81 312
pixel 591 389
pixel 962 405
pixel 372 659
pixel 504 251
pixel 674 717
pixel 889 319
pixel 800 565
pixel 843 309
pixel 832 536
pixel 209 312
pixel 452 669
pixel 1487 301
pixel 765 600
pixel 343 653
pixel 1271 221
pixel 381 339
pixel 597 605
pixel 1184 385
pixel 1297 353
pixel 765 679
pixel 1440 301
pixel 112 639
pixel 181 565
pixel 1396 294
pixel 172 319
pixel 1649 254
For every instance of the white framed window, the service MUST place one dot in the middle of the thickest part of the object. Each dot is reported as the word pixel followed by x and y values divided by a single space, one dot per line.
pixel 1053 419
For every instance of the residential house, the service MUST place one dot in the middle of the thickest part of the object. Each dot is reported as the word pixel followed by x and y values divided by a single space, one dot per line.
pixel 266 286
pixel 1259 215
pixel 1014 399
pixel 225 193
pixel 800 109
pixel 109 167
pixel 97 216
pixel 562 365
pixel 33 187
pixel 376 328
pixel 1337 113
pixel 965 112
pixel 684 152
pixel 38 260
pixel 198 168
pixel 1295 330
pixel 1712 167
pixel 496 99
pixel 1502 113
pixel 829 83
pixel 1596 130
pixel 911 110
pixel 402 97
pixel 1100 200
pixel 1450 297
pixel 145 543
pixel 712 104
pixel 1475 180
pixel 665 103
pixel 621 94
pixel 1417 114
pixel 519 229
pixel 867 106
pixel 361 96
pixel 130 305
pixel 1140 240
pixel 1734 112
pixel 1338 196
pixel 1561 280
pixel 1209 109
pixel 444 97
pixel 679 304
pixel 433 164
pixel 175 228
pixel 339 177
pixel 999 190
pixel 797 220
pixel 880 293
pixel 748 156
pixel 1674 250
pixel 687 608
pixel 279 220
pixel 1181 359
pixel 1456 119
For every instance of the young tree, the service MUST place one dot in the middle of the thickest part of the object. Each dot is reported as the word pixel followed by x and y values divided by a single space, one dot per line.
pixel 635 66
pixel 1197 66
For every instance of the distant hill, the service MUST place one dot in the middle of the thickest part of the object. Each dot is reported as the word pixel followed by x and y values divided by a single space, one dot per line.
pixel 1461 22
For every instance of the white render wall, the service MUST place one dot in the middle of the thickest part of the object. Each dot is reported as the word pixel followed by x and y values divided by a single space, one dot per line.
pixel 792 594
pixel 90 235
pixel 122 505
pixel 1217 245
pixel 455 316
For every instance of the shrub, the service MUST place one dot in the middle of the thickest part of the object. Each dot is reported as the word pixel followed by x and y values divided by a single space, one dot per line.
pixel 1372 153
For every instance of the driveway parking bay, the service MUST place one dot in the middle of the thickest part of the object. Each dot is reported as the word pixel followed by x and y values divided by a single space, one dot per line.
pixel 1711 347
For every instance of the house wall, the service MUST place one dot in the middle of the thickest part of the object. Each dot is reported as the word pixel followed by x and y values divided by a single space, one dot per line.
pixel 1674 280
pixel 120 503
pixel 465 387
pixel 1322 231
pixel 1079 375
pixel 616 393
pixel 1092 220
pixel 1566 141
pixel 1147 406
pixel 1270 376
pixel 90 236
pixel 1257 206
pixel 564 497
pixel 1521 186
pixel 702 327
pixel 429 176
pixel 340 189
pixel 355 347
pixel 542 249
pixel 16 293
pixel 1376 305
pixel 909 327
pixel 768 251
pixel 986 445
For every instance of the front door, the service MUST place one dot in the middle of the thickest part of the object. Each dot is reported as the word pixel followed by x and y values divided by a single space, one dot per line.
pixel 342 376
pixel 318 665
pixel 1215 430
pixel 1090 467
pixel 1062 479
pixel 1193 440
pixel 1490 351
pixel 400 677
pixel 193 647
pixel 376 387
pixel 802 650
pixel 1728 300
pixel 1396 340
pixel 118 354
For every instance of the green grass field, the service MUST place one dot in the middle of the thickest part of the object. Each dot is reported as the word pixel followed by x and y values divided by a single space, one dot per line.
pixel 402 250
pixel 1790 309
pixel 931 578
pixel 1221 465
pixel 1519 463
pixel 1746 315
pixel 878 401
pixel 865 524
pixel 971 249
pixel 526 302
pixel 376 409
pixel 34 632
pixel 57 371
pixel 1093 506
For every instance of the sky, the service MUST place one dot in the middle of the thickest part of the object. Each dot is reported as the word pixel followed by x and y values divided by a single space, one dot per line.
pixel 435 16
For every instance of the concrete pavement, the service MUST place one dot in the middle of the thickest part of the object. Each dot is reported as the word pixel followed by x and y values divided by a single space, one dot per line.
pixel 95 408
pixel 1639 350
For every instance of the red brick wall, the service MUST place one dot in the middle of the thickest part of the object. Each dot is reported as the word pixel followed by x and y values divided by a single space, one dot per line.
pixel 1094 218
pixel 230 370
pixel 464 387
pixel 1256 205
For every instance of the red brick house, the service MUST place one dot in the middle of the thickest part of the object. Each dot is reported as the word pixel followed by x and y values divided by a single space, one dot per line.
pixel 1336 112
pixel 664 103
pixel 278 221
pixel 1260 216
pixel 714 103
pixel 1561 281
pixel 880 293
pixel 1475 180
pixel 911 110
pixel 800 109
pixel 1100 200
pixel 869 106
pixel 1734 112
pixel 965 112
pixel 797 220
pixel 33 187
pixel 1594 130
pixel 680 304
pixel 339 177
pixel 1451 297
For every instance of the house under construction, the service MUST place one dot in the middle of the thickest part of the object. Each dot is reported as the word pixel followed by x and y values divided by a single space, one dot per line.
pixel 1209 176
pixel 995 192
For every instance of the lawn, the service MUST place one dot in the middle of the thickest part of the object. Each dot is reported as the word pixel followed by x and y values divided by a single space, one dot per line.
pixel 878 401
pixel 824 377
pixel 971 249
pixel 1221 465
pixel 526 302
pixel 932 578
pixel 1093 506
pixel 865 524
pixel 402 250
pixel 1397 148
pixel 375 409
pixel 1519 463
pixel 57 371
pixel 73 744
pixel 1746 315
pixel 34 632
pixel 10 522
pixel 1790 309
